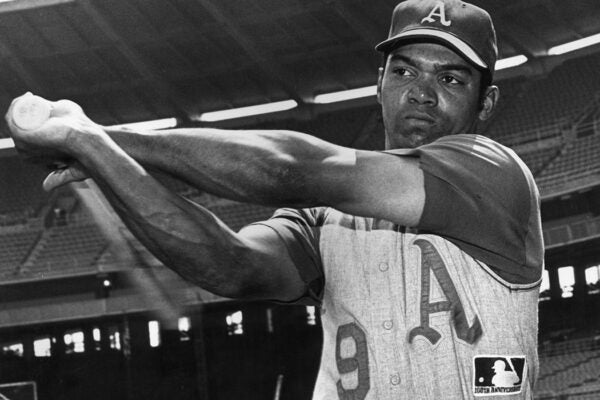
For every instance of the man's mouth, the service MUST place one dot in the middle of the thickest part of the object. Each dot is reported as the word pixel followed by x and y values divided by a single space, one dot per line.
pixel 419 118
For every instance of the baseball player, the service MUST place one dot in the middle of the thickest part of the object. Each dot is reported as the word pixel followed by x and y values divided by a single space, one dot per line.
pixel 425 259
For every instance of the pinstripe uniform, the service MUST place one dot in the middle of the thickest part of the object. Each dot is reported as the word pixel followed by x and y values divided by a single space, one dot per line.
pixel 445 311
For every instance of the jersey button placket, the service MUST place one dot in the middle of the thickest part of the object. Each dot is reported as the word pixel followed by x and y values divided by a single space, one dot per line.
pixel 395 379
pixel 383 314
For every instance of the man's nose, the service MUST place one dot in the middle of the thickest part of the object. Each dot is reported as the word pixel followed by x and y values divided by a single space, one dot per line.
pixel 422 93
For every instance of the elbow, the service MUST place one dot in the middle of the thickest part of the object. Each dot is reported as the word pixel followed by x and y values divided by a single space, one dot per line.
pixel 232 275
pixel 248 281
pixel 249 278
pixel 241 289
pixel 294 184
pixel 231 291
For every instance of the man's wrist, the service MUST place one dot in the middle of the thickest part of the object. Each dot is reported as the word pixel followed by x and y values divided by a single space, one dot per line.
pixel 140 145
pixel 87 142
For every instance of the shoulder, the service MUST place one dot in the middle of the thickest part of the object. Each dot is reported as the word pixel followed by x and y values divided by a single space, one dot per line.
pixel 464 146
pixel 473 151
pixel 473 160
pixel 476 164
pixel 482 197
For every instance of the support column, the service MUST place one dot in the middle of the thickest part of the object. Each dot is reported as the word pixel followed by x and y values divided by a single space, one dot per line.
pixel 555 290
pixel 580 287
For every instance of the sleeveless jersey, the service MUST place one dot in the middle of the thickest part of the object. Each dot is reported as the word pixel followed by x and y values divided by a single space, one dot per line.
pixel 438 312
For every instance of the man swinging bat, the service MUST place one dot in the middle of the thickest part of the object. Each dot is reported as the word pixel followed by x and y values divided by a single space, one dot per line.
pixel 425 259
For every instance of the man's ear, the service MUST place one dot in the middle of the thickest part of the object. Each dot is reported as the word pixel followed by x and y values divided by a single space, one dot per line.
pixel 490 101
pixel 379 80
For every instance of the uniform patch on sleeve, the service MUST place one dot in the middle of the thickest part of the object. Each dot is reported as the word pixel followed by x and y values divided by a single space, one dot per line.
pixel 498 375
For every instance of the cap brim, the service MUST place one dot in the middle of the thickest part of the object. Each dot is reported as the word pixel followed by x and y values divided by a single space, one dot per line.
pixel 449 38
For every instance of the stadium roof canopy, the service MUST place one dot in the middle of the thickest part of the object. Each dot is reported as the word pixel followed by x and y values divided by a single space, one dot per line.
pixel 137 60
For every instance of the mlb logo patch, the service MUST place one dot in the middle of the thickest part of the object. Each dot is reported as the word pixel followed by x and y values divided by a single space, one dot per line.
pixel 497 375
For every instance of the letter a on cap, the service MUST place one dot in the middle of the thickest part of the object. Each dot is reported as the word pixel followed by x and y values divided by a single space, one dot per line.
pixel 438 11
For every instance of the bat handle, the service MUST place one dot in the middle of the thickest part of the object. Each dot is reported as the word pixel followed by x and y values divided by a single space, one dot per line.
pixel 30 112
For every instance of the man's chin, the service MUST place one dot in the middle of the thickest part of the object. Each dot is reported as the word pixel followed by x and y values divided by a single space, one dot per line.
pixel 412 139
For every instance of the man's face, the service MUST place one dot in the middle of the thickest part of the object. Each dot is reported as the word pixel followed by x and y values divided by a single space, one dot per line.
pixel 427 91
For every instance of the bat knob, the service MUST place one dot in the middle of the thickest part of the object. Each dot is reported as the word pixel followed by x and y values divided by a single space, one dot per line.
pixel 31 111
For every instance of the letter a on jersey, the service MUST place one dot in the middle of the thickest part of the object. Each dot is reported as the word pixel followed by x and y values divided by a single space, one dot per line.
pixel 431 261
pixel 438 11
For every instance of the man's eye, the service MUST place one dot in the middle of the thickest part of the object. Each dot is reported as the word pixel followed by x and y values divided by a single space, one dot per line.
pixel 449 79
pixel 401 71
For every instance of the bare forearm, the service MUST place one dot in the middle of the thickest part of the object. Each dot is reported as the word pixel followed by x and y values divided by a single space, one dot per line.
pixel 183 235
pixel 266 167
pixel 186 237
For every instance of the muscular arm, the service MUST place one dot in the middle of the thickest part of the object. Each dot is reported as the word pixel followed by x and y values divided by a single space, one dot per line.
pixel 284 168
pixel 278 168
pixel 185 236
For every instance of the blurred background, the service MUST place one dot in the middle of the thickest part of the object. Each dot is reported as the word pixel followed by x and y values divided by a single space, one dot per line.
pixel 81 318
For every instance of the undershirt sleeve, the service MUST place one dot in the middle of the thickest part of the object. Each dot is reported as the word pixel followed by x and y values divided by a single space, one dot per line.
pixel 299 231
pixel 480 196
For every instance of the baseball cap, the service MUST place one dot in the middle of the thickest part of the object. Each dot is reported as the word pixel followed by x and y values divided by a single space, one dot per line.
pixel 465 28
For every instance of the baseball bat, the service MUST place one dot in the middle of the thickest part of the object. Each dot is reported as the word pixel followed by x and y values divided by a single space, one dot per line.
pixel 30 112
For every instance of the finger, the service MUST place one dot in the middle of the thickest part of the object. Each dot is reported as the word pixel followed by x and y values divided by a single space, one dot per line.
pixel 60 177
pixel 61 108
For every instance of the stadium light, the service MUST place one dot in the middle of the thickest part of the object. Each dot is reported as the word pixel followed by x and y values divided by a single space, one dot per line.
pixel 510 62
pixel 248 111
pixel 156 124
pixel 6 143
pixel 368 91
pixel 20 5
pixel 344 95
pixel 574 45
